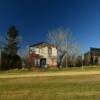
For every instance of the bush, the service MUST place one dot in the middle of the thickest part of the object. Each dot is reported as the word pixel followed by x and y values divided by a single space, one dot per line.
pixel 10 62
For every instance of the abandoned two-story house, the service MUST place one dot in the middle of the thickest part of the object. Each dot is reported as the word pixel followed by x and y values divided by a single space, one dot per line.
pixel 43 54
pixel 92 57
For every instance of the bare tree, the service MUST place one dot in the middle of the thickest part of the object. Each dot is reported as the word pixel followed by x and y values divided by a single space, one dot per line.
pixel 2 40
pixel 65 44
pixel 23 52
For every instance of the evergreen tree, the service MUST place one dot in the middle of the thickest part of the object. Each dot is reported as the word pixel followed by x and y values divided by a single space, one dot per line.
pixel 12 41
pixel 11 59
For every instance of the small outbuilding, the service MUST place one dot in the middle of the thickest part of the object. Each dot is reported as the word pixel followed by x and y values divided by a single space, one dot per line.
pixel 92 57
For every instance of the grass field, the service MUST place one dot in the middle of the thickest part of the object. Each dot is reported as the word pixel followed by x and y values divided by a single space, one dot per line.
pixel 84 87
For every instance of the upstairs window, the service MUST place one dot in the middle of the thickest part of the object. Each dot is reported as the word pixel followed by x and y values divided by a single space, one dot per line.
pixel 49 52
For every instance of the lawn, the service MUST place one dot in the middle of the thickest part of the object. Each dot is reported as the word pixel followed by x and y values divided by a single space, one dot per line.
pixel 84 87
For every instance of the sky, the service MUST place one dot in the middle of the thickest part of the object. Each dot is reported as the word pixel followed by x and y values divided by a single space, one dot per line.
pixel 34 18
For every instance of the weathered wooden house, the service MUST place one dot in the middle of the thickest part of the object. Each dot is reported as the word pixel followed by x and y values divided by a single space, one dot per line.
pixel 92 57
pixel 43 54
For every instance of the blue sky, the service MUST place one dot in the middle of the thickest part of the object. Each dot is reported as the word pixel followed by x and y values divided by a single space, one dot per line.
pixel 33 19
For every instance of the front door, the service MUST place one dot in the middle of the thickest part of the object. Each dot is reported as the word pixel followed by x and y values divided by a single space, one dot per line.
pixel 42 62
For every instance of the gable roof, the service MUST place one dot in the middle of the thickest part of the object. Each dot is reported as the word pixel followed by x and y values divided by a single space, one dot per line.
pixel 42 44
pixel 95 49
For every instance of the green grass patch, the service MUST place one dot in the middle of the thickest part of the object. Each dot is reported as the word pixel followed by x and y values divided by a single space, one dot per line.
pixel 52 69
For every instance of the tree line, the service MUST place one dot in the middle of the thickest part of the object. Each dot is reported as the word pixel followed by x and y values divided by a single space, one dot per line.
pixel 68 50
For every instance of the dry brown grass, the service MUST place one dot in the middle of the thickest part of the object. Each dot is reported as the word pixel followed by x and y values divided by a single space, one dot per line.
pixel 83 87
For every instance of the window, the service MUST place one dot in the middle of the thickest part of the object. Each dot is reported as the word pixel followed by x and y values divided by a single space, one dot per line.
pixel 49 51
pixel 37 50
pixel 41 50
